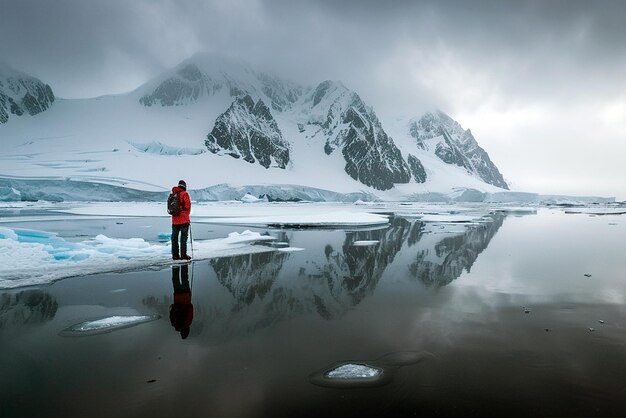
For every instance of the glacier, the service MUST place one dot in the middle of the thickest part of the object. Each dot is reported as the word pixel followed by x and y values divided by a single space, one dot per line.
pixel 69 189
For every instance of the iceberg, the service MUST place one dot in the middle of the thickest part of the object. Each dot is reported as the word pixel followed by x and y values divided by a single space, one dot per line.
pixel 248 198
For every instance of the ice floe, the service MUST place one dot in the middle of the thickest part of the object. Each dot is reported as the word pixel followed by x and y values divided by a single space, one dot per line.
pixel 598 211
pixel 322 219
pixel 30 257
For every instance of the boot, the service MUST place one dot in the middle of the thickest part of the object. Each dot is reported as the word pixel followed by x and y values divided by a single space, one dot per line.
pixel 185 257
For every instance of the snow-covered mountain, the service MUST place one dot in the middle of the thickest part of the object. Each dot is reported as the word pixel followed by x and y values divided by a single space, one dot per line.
pixel 256 131
pixel 345 123
pixel 21 93
pixel 249 131
pixel 205 75
pixel 453 145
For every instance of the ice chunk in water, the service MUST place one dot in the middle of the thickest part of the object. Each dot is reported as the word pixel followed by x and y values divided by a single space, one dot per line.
pixel 365 243
pixel 353 371
pixel 165 236
pixel 108 324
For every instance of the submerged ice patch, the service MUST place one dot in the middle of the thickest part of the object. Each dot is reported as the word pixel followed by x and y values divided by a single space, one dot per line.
pixel 353 371
pixel 356 374
pixel 108 324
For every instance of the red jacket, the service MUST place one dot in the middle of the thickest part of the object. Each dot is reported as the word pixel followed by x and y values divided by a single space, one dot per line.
pixel 185 202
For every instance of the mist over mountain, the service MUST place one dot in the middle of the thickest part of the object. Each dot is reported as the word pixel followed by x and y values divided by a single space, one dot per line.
pixel 248 127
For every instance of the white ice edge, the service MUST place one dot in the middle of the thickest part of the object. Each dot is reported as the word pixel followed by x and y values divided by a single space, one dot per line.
pixel 318 219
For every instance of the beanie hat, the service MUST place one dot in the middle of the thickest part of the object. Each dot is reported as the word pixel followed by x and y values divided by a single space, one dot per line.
pixel 182 184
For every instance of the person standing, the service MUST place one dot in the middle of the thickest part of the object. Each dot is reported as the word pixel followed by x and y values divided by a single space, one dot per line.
pixel 180 222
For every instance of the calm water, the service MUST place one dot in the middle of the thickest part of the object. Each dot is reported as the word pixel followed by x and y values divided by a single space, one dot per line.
pixel 504 318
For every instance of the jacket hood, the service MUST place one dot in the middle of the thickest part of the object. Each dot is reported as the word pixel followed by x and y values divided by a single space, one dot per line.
pixel 177 189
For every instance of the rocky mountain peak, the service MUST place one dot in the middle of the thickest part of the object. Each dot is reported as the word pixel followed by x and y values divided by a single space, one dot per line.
pixel 455 146
pixel 21 93
pixel 248 130
pixel 349 125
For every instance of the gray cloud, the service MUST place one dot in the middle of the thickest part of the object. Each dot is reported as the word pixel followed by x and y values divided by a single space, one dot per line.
pixel 468 58
pixel 526 48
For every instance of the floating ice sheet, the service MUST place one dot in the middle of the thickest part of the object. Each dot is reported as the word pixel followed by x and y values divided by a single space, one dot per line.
pixel 322 219
pixel 30 257
pixel 450 218
pixel 598 211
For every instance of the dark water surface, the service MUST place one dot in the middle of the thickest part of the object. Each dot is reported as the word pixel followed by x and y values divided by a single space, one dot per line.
pixel 497 319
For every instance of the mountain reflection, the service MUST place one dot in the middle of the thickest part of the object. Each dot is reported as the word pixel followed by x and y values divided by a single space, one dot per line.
pixel 354 272
pixel 249 276
pixel 333 274
pixel 28 307
pixel 439 265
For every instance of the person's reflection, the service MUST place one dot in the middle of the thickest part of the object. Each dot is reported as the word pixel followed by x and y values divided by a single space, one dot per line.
pixel 181 311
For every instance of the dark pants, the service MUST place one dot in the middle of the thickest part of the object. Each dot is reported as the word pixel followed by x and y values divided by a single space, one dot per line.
pixel 184 232
pixel 180 279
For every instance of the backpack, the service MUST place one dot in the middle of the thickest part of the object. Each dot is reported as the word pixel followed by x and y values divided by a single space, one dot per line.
pixel 173 204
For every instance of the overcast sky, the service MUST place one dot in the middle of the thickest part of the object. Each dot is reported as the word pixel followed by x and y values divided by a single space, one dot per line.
pixel 541 84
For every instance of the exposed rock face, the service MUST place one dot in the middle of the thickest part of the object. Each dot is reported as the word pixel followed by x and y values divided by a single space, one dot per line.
pixel 454 145
pixel 248 130
pixel 348 124
pixel 21 93
pixel 417 169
